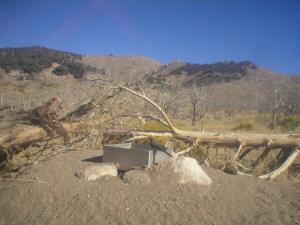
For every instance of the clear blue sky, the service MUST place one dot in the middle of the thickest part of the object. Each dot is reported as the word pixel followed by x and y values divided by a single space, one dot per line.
pixel 199 31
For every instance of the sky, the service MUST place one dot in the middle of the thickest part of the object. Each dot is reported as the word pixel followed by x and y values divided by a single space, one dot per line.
pixel 266 32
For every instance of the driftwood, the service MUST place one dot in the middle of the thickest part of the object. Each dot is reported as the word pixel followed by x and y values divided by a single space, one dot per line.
pixel 240 140
pixel 24 128
pixel 15 136
pixel 217 138
pixel 42 122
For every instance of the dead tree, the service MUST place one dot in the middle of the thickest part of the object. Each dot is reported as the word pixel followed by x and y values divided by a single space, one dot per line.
pixel 168 99
pixel 198 105
pixel 16 136
pixel 292 104
pixel 239 140
pixel 275 106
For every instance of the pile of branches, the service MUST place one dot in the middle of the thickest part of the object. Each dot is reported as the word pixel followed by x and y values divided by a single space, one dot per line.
pixel 43 124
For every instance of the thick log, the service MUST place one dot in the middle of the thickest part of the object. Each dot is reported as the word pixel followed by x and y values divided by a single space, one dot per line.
pixel 225 139
pixel 17 136
pixel 236 139
pixel 24 134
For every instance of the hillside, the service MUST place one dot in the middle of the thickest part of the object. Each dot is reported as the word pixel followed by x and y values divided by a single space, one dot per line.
pixel 254 90
pixel 201 74
pixel 122 67
pixel 240 85
pixel 32 60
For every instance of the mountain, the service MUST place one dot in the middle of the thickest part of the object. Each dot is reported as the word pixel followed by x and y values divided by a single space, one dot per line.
pixel 201 74
pixel 32 60
pixel 240 84
pixel 122 67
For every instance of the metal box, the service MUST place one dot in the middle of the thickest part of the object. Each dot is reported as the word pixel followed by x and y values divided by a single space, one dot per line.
pixel 130 155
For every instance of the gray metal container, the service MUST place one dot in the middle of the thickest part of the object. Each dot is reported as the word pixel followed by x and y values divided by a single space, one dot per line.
pixel 130 155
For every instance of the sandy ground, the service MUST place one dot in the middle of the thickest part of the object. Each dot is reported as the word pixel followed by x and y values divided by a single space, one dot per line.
pixel 152 196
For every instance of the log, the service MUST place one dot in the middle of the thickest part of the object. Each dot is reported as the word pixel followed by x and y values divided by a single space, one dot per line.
pixel 18 136
pixel 239 140
pixel 236 139
pixel 27 134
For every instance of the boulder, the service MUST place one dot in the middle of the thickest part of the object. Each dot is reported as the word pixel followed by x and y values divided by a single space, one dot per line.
pixel 189 170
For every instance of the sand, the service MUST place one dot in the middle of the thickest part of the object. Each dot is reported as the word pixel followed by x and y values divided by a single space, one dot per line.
pixel 154 197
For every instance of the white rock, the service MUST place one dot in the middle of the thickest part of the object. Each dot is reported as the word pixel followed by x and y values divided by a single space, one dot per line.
pixel 95 172
pixel 189 170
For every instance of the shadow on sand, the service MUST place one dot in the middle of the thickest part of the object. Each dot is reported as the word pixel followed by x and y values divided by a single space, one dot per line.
pixel 96 159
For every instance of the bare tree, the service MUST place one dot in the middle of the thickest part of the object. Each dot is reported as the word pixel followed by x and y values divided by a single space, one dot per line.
pixel 275 105
pixel 168 97
pixel 292 104
pixel 198 104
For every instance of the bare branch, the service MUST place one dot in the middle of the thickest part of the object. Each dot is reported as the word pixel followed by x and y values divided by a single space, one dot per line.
pixel 170 124
pixel 242 166
pixel 283 167
pixel 136 138
pixel 237 153
pixel 184 151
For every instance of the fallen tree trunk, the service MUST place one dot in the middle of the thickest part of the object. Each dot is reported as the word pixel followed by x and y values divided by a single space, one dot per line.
pixel 240 140
pixel 18 136
pixel 217 138
pixel 26 134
